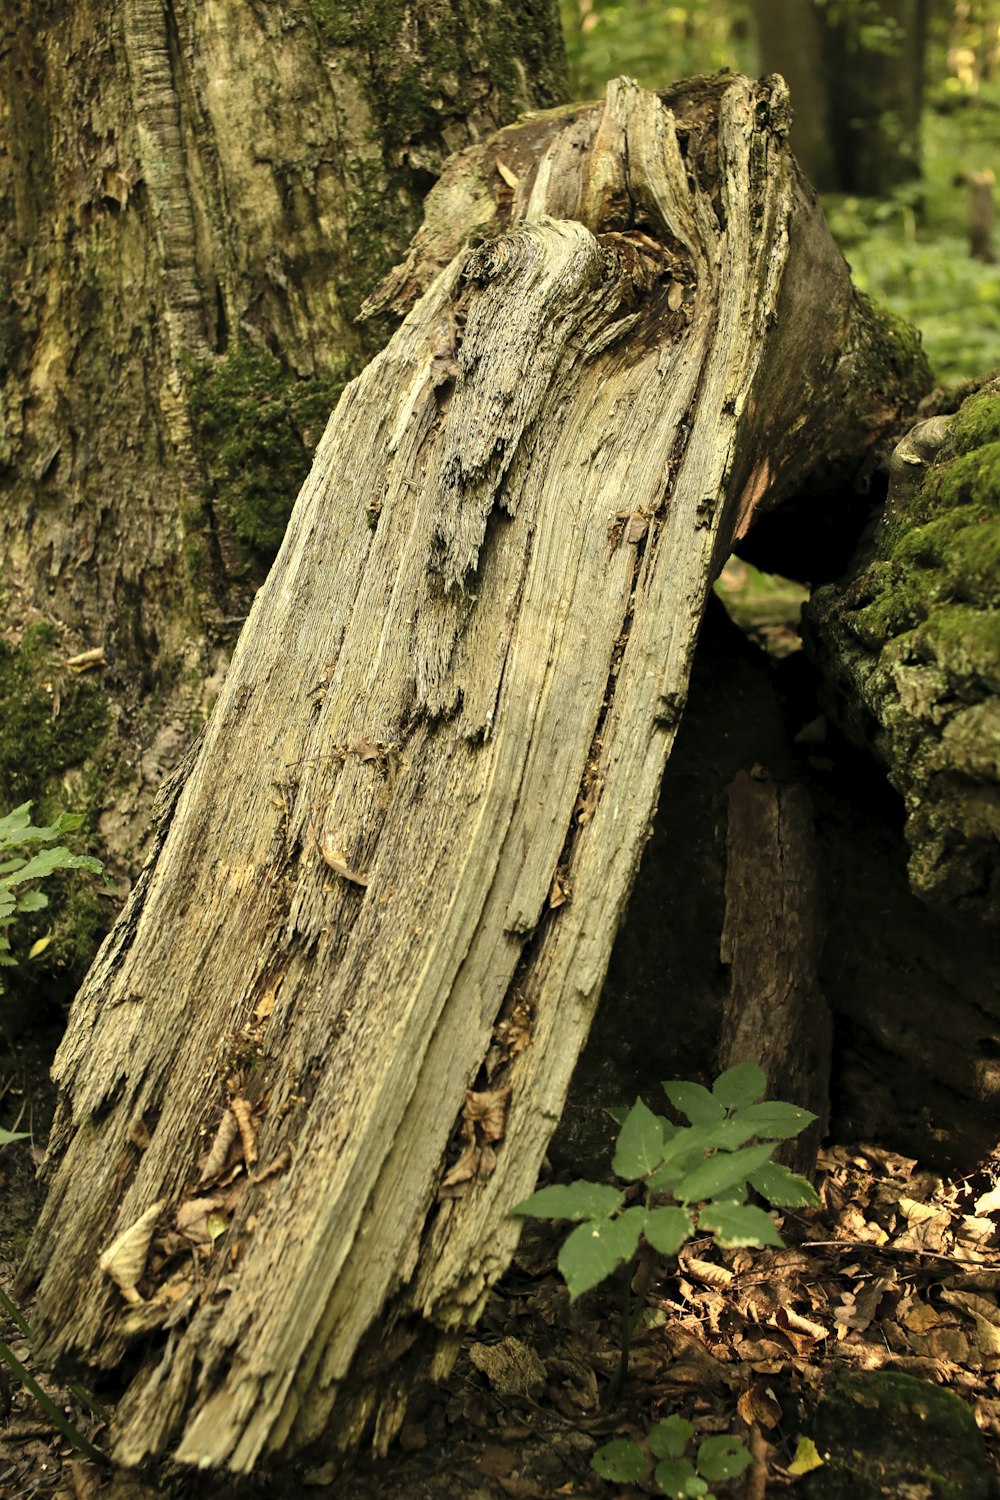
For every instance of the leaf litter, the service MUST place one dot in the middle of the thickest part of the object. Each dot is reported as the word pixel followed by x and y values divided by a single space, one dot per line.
pixel 897 1271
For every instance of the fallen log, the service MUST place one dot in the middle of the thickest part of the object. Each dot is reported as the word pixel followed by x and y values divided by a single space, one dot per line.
pixel 322 1051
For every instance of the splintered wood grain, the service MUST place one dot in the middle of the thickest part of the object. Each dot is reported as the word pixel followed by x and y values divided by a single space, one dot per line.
pixel 421 800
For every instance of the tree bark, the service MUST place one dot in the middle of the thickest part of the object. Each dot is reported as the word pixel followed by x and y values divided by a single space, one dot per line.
pixel 380 908
pixel 196 200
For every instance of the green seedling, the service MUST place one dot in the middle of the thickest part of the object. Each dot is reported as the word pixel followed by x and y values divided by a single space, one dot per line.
pixel 662 1458
pixel 20 871
pixel 683 1180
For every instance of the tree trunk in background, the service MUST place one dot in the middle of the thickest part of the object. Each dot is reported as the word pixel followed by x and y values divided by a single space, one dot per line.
pixel 195 200
pixel 856 76
pixel 377 920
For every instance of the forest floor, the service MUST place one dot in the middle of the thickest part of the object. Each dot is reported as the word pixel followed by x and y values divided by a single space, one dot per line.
pixel 894 1279
pixel 898 1271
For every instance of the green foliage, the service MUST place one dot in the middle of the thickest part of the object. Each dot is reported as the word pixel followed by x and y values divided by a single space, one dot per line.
pixel 653 41
pixel 258 425
pixel 911 251
pixel 718 1459
pixel 53 727
pixel 20 871
pixel 55 1415
pixel 706 1168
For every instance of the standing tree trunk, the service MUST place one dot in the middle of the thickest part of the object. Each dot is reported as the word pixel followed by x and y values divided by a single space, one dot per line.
pixel 366 951
pixel 196 199
pixel 856 75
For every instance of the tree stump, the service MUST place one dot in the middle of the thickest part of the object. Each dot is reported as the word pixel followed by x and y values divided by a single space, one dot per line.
pixel 322 1052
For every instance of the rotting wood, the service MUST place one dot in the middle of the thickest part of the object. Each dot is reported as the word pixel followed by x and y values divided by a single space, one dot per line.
pixel 776 1014
pixel 388 888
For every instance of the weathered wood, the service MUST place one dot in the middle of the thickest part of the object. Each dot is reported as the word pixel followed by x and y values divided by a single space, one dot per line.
pixel 381 906
pixel 776 1014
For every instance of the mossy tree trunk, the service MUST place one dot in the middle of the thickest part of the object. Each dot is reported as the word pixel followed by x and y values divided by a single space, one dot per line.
pixel 195 201
pixel 366 951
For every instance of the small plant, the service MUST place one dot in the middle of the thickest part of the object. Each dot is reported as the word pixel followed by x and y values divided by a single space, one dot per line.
pixel 626 1462
pixel 18 893
pixel 19 871
pixel 688 1179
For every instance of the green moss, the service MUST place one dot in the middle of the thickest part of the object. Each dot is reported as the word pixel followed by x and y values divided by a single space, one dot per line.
pixel 971 478
pixel 882 1433
pixel 52 729
pixel 915 644
pixel 258 425
pixel 52 719
pixel 894 355
pixel 966 644
pixel 977 423
pixel 428 89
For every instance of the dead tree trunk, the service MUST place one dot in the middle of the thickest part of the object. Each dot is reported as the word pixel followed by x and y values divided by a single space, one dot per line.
pixel 375 925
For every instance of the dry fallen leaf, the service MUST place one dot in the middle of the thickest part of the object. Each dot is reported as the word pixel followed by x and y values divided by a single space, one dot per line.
pixel 87 660
pixel 192 1219
pixel 243 1111
pixel 759 1404
pixel 488 1112
pixel 125 1258
pixel 214 1163
pixel 339 866
pixel 509 177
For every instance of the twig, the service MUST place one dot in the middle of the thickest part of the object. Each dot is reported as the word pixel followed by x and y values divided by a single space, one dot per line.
pixel 756 1486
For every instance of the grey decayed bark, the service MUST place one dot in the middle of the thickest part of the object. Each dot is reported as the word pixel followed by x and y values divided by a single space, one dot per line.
pixel 396 867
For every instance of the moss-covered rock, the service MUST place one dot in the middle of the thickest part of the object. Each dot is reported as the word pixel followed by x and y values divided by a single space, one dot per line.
pixel 911 644
pixel 882 1433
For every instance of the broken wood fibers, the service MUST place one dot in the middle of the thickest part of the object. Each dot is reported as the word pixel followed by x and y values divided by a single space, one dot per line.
pixel 397 864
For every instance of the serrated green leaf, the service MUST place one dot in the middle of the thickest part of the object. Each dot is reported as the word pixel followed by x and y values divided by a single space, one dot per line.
pixel 721 1458
pixel 724 1170
pixel 773 1120
pixel 735 1224
pixel 48 860
pixel 575 1200
pixel 666 1229
pixel 739 1086
pixel 669 1438
pixel 597 1248
pixel 14 822
pixel 32 901
pixel 621 1461
pixel 730 1134
pixel 783 1187
pixel 674 1476
pixel 640 1143
pixel 7 1136
pixel 695 1102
